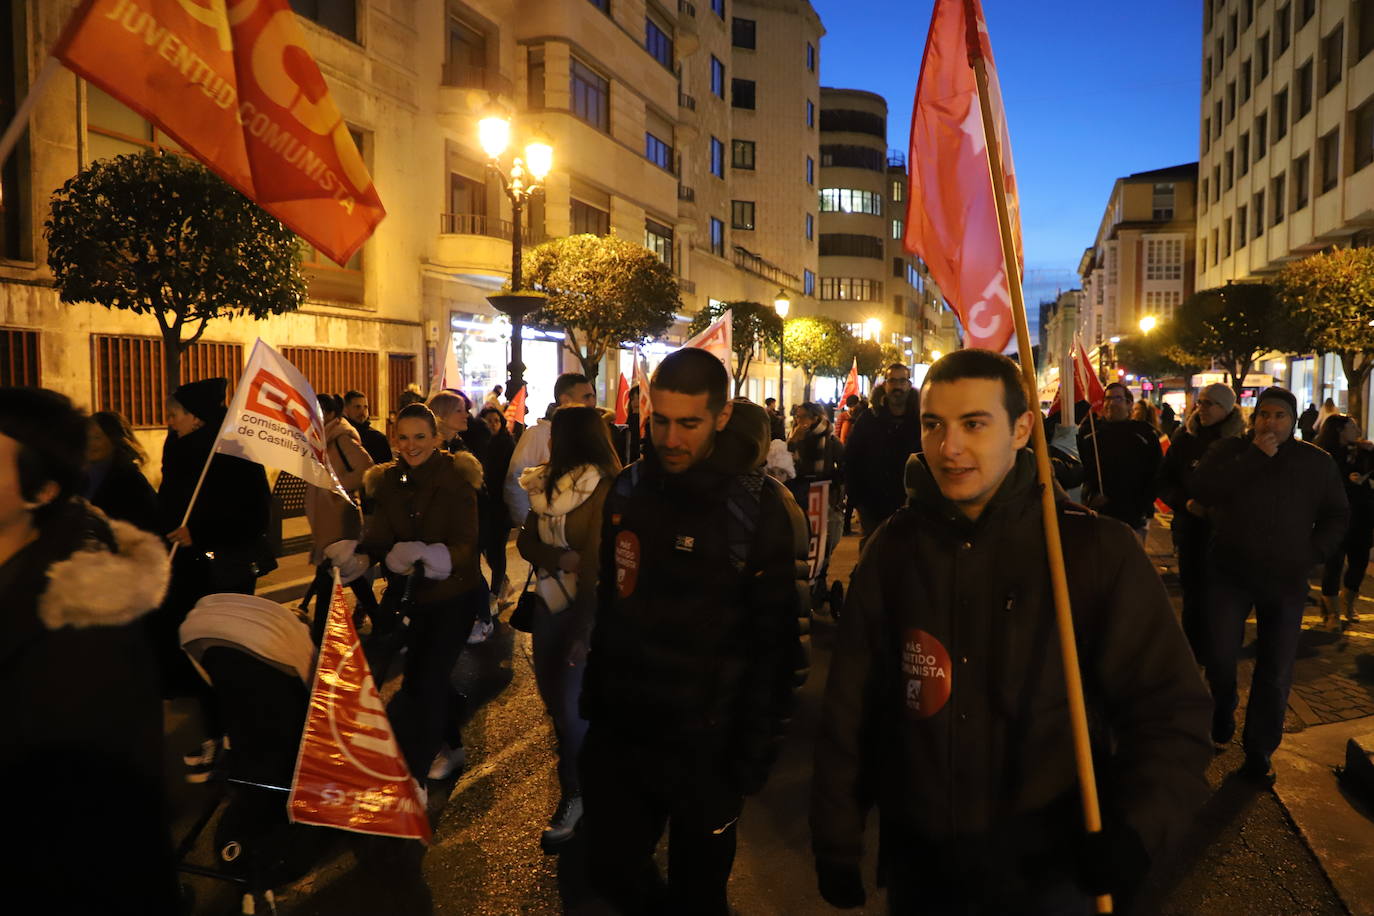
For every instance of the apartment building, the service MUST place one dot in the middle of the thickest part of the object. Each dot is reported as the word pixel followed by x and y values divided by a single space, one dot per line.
pixel 868 280
pixel 1286 144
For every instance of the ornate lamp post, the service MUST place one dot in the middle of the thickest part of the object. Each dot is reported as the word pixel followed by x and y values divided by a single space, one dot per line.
pixel 781 304
pixel 520 184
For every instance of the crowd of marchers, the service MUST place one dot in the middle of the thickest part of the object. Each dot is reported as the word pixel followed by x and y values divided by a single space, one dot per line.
pixel 669 601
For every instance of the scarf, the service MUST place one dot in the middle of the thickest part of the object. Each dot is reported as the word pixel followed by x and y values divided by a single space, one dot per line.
pixel 557 587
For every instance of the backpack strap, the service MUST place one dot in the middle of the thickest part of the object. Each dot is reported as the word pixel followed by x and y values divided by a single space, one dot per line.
pixel 744 502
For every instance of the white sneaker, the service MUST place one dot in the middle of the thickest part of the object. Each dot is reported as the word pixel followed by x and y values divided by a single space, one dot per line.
pixel 564 822
pixel 447 762
pixel 481 629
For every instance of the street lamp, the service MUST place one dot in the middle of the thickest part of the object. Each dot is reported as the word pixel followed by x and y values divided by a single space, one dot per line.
pixel 872 328
pixel 781 304
pixel 1147 324
pixel 520 184
pixel 935 355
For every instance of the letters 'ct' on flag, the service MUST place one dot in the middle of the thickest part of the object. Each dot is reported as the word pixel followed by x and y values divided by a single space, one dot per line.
pixel 275 419
pixel 233 83
pixel 951 219
pixel 718 338
pixel 349 770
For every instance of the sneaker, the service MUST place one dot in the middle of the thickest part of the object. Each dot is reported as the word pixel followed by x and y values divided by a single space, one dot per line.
pixel 203 755
pixel 447 762
pixel 481 629
pixel 564 822
pixel 1257 768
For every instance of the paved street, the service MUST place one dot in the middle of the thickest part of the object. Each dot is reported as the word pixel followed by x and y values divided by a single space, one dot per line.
pixel 1245 855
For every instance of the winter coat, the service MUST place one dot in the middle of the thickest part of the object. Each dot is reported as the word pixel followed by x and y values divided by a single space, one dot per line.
pixel 374 442
pixel 946 705
pixel 435 503
pixel 875 457
pixel 231 513
pixel 1124 486
pixel 817 456
pixel 1355 460
pixel 123 493
pixel 570 520
pixel 333 518
pixel 1273 519
pixel 700 640
pixel 1180 462
pixel 82 751
pixel 495 463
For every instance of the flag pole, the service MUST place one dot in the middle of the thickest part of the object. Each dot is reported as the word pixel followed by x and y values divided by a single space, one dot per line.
pixel 1073 680
pixel 20 122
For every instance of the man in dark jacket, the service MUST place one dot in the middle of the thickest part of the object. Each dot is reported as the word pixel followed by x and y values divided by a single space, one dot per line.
pixel 946 704
pixel 374 441
pixel 1121 457
pixel 1277 508
pixel 877 449
pixel 698 649
pixel 1215 418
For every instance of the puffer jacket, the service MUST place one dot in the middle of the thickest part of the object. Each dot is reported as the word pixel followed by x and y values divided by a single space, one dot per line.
pixel 946 704
pixel 333 518
pixel 701 628
pixel 1176 472
pixel 579 524
pixel 1124 484
pixel 435 503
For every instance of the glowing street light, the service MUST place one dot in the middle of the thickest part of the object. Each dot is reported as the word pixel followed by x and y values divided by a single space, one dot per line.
pixel 872 328
pixel 1147 324
pixel 781 305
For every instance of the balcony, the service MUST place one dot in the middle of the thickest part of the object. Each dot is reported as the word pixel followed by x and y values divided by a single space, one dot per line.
pixel 747 260
pixel 687 39
pixel 685 101
pixel 476 244
pixel 464 76
pixel 686 194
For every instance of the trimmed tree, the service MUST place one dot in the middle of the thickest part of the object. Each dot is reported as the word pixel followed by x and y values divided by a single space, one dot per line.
pixel 1156 355
pixel 603 292
pixel 752 325
pixel 816 344
pixel 1235 325
pixel 1332 296
pixel 160 233
pixel 869 355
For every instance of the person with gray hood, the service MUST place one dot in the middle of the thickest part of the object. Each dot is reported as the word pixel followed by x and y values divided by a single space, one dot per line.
pixel 1277 508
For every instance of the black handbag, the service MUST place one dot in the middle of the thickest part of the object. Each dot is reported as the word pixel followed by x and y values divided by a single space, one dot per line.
pixel 522 618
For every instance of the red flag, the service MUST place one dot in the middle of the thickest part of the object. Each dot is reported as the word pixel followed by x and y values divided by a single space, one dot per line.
pixel 622 401
pixel 851 384
pixel 1086 385
pixel 349 771
pixel 951 219
pixel 646 406
pixel 235 85
pixel 515 409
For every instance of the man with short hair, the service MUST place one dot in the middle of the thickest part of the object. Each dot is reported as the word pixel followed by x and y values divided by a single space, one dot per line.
pixel 1278 508
pixel 1121 458
pixel 877 449
pixel 355 411
pixel 777 427
pixel 698 649
pixel 946 705
pixel 571 388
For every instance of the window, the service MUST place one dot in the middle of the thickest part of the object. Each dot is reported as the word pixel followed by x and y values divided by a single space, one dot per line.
pixel 338 16
pixel 1163 202
pixel 1283 29
pixel 1229 163
pixel 810 227
pixel 850 245
pixel 1203 195
pixel 1216 248
pixel 1304 91
pixel 898 190
pixel 19 358
pixel 1362 122
pixel 336 370
pixel 742 94
pixel 717 237
pixel 127 372
pixel 1216 183
pixel 898 229
pixel 810 57
pixel 898 268
pixel 1281 114
pixel 743 33
pixel 589 96
pixel 1216 119
pixel 851 121
pixel 1306 8
pixel 1245 81
pixel 742 154
pixel 718 7
pixel 534 68
pixel 1206 134
pixel 1333 56
pixel 1257 211
pixel 808 283
pixel 1206 75
pixel 1364 25
pixel 1230 101
pixel 1243 154
pixel 1231 33
pixel 657 42
pixel 850 200
pixel 717 78
pixel 1261 134
pixel 810 113
pixel 1261 58
pixel 658 238
pixel 1329 149
pixel 810 170
pixel 589 220
pixel 1226 234
pixel 603 5
pixel 717 158
pixel 741 214
pixel 1302 180
pixel 1247 13
pixel 854 289
pixel 1163 258
pixel 658 151
pixel 466 65
pixel 1276 197
pixel 112 129
pixel 15 229
pixel 854 157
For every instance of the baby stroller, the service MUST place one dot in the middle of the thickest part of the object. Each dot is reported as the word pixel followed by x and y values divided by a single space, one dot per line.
pixel 257 657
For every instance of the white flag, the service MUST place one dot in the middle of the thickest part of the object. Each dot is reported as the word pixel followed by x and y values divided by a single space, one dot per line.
pixel 718 339
pixel 275 420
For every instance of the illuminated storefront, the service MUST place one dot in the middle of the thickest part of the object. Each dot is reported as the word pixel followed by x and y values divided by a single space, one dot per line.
pixel 481 344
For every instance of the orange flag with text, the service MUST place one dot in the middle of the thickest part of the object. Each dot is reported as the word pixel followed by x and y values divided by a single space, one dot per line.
pixel 516 410
pixel 349 770
pixel 233 83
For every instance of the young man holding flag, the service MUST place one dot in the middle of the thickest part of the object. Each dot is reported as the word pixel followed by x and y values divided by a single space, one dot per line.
pixel 946 704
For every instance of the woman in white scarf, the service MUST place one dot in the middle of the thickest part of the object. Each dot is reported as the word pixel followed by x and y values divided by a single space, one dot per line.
pixel 561 539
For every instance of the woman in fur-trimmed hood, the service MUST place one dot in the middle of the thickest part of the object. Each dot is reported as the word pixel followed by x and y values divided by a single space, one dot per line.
pixel 78 677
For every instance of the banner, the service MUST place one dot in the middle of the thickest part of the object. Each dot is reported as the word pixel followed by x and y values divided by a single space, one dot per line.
pixel 349 770
pixel 818 516
pixel 718 339
pixel 622 401
pixel 951 217
pixel 275 420
pixel 515 409
pixel 233 83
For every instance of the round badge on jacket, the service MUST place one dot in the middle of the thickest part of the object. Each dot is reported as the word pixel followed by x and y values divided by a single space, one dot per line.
pixel 926 674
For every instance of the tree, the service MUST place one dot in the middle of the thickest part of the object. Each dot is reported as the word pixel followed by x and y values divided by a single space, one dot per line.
pixel 603 292
pixel 1156 355
pixel 1234 325
pixel 816 344
pixel 161 233
pixel 751 325
pixel 1332 296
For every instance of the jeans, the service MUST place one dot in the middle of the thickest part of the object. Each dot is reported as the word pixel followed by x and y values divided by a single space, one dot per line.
pixel 560 687
pixel 1278 616
pixel 429 708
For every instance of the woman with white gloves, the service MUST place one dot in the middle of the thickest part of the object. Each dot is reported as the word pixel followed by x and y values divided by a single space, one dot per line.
pixel 425 512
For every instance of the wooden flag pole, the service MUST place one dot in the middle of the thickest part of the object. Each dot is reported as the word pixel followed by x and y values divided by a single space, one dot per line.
pixel 1073 680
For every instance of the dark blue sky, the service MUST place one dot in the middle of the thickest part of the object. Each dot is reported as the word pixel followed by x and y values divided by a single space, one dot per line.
pixel 1094 90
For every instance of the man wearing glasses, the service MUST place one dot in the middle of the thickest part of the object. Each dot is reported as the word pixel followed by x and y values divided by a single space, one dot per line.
pixel 1121 457
pixel 878 447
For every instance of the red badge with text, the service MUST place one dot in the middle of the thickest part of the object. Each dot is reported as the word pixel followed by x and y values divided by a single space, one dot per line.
pixel 926 674
pixel 626 562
